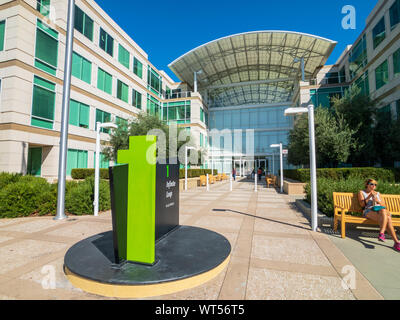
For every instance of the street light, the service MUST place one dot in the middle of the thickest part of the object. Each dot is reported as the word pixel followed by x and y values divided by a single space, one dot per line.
pixel 313 165
pixel 97 164
pixel 281 154
pixel 186 164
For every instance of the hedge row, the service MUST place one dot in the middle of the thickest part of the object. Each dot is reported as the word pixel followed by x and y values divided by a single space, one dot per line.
pixel 326 188
pixel 82 174
pixel 380 174
pixel 22 196
pixel 195 173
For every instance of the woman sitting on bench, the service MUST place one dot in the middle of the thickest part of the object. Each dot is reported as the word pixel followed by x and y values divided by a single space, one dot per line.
pixel 375 210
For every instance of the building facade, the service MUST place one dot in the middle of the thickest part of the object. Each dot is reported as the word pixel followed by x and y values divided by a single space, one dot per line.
pixel 231 96
pixel 112 81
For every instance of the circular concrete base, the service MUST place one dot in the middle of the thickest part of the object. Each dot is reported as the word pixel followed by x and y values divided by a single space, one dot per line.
pixel 185 258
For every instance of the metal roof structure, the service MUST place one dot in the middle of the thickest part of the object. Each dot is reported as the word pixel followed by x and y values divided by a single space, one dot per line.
pixel 252 68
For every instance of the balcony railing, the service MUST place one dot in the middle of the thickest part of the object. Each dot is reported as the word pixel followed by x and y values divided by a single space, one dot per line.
pixel 178 95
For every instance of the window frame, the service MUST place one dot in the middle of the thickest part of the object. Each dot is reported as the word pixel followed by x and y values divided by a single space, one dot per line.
pixel 106 42
pixel 54 92
pixel 39 61
pixel 85 16
pixel 382 35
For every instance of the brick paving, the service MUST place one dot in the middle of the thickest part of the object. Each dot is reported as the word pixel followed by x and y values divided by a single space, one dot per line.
pixel 275 255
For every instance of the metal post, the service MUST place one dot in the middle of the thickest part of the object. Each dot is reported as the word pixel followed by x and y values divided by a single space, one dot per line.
pixel 195 82
pixel 231 181
pixel 313 167
pixel 208 184
pixel 281 151
pixel 97 171
pixel 62 164
pixel 255 182
pixel 303 76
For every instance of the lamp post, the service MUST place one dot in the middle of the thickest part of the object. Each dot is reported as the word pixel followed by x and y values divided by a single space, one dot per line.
pixel 62 166
pixel 313 162
pixel 186 164
pixel 281 154
pixel 97 164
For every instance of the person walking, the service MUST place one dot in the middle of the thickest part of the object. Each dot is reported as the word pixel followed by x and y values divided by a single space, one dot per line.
pixel 234 174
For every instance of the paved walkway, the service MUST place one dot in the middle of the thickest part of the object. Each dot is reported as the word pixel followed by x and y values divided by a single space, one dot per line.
pixel 274 253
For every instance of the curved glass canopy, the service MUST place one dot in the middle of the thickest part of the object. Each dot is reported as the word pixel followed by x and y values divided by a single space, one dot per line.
pixel 261 67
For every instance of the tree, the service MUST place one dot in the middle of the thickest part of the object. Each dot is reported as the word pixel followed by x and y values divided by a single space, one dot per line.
pixel 334 139
pixel 359 111
pixel 143 125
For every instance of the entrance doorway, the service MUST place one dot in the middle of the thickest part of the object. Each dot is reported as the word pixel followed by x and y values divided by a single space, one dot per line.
pixel 35 162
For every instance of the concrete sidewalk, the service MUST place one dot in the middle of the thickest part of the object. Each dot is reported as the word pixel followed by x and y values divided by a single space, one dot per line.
pixel 275 255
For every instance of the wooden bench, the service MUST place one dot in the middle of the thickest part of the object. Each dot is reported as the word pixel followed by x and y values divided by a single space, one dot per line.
pixel 211 179
pixel 270 181
pixel 344 203
pixel 203 181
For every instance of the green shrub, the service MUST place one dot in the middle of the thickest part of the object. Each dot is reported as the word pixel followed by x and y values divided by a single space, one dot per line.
pixel 381 174
pixel 326 188
pixel 82 174
pixel 195 173
pixel 7 178
pixel 24 197
pixel 79 198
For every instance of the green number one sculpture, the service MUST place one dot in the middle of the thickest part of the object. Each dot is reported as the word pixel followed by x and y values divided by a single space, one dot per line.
pixel 141 199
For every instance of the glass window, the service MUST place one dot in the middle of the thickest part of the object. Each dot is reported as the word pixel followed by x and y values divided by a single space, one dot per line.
pixel 121 121
pixel 363 83
pixel 154 81
pixel 43 6
pixel 46 55
pixel 154 107
pixel 104 164
pixel 178 112
pixel 122 91
pixel 123 56
pixel 104 81
pixel 43 103
pixel 382 75
pixel 332 78
pixel 106 42
pixel 342 75
pixel 358 58
pixel 394 13
pixel 83 23
pixel 2 33
pixel 136 99
pixel 137 67
pixel 201 115
pixel 76 159
pixel 81 68
pixel 396 63
pixel 398 109
pixel 79 114
pixel 103 117
pixel 379 33
pixel 385 114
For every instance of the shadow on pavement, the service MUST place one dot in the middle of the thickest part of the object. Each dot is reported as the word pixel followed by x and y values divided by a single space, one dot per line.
pixel 266 219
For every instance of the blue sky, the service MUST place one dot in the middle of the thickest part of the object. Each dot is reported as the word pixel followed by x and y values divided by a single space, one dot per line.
pixel 168 29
